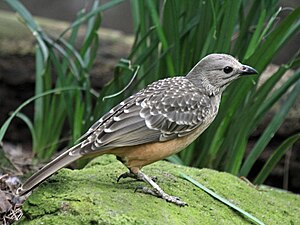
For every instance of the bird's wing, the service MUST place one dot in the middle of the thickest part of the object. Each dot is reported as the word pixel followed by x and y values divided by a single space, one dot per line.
pixel 166 109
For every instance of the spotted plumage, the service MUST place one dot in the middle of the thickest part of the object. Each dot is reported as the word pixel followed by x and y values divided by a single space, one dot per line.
pixel 164 110
pixel 154 123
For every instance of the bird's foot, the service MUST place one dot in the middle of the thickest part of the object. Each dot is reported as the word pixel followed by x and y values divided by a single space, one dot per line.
pixel 161 194
pixel 157 191
pixel 126 175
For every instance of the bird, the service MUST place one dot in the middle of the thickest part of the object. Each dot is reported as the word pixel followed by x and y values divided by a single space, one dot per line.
pixel 154 123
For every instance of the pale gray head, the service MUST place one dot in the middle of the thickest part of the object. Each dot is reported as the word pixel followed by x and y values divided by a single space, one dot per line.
pixel 216 71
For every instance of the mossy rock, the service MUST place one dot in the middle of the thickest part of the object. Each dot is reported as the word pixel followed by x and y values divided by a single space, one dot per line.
pixel 93 196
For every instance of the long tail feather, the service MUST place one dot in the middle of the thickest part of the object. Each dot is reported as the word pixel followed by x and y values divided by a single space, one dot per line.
pixel 62 160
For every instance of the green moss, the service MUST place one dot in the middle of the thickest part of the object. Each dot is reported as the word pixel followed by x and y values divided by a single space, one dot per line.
pixel 92 196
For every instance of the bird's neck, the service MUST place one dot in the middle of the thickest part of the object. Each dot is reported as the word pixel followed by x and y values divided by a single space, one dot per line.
pixel 204 85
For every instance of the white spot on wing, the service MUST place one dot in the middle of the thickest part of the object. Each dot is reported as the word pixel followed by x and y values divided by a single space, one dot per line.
pixel 107 130
pixel 116 118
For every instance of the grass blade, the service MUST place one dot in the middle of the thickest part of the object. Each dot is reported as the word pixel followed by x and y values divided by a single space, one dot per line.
pixel 270 130
pixel 91 14
pixel 175 159
pixel 28 101
pixel 226 29
pixel 31 24
pixel 134 70
pixel 161 35
pixel 221 199
pixel 29 124
pixel 274 159
pixel 289 26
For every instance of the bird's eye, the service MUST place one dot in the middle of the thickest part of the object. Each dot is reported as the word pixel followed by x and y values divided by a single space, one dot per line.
pixel 227 69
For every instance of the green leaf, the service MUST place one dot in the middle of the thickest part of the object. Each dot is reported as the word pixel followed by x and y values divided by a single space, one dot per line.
pixel 53 91
pixel 274 158
pixel 31 24
pixel 175 159
pixel 275 40
pixel 161 35
pixel 270 130
pixel 221 199
pixel 91 14
pixel 29 124
pixel 227 26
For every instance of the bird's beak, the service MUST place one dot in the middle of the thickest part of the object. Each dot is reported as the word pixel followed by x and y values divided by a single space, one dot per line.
pixel 245 70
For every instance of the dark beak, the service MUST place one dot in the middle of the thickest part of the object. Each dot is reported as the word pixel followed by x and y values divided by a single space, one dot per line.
pixel 247 70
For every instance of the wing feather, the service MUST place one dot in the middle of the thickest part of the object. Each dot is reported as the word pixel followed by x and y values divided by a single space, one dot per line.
pixel 166 109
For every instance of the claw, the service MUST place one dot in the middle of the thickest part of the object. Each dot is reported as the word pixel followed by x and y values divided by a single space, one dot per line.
pixel 127 174
pixel 138 188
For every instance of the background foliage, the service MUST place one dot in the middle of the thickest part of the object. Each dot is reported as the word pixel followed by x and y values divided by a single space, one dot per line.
pixel 170 37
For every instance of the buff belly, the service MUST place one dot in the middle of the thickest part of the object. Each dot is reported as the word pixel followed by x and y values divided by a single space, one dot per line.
pixel 141 155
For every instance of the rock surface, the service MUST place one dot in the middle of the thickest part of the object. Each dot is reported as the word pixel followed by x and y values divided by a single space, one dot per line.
pixel 92 196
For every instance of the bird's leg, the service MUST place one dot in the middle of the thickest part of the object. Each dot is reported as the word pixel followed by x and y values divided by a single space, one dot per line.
pixel 132 175
pixel 157 191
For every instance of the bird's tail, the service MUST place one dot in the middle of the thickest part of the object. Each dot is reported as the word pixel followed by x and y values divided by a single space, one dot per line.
pixel 45 172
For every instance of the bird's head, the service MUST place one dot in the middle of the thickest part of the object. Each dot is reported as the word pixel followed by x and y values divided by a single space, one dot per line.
pixel 217 71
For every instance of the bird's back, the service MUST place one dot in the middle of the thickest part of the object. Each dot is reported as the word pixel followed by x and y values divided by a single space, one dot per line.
pixel 164 110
